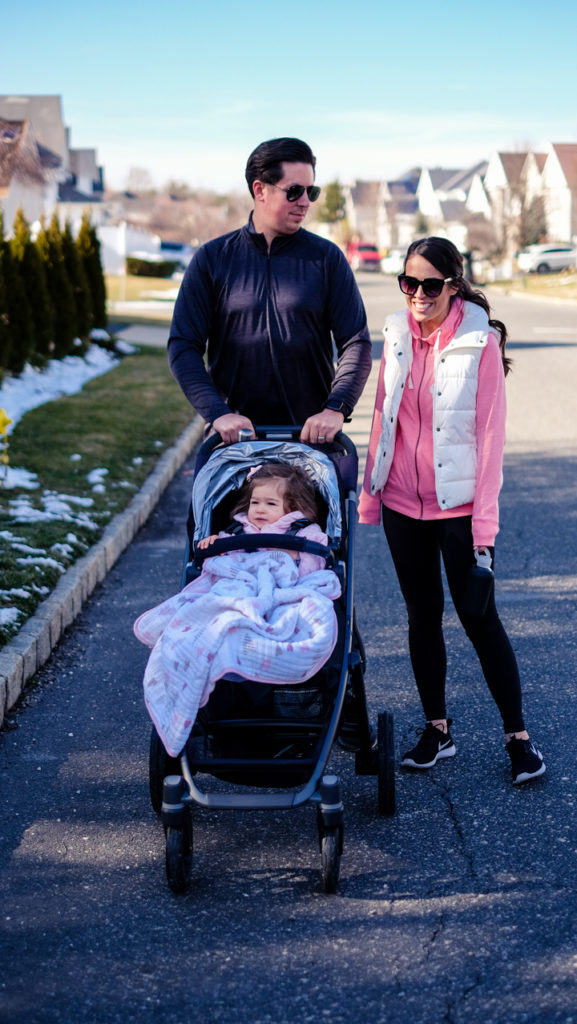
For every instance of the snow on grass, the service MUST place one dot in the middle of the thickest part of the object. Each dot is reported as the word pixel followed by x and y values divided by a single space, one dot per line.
pixel 18 395
pixel 60 377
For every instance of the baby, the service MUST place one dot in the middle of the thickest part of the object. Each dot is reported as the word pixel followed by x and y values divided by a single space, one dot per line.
pixel 275 497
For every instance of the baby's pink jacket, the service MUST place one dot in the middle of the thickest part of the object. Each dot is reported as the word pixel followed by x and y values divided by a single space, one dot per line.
pixel 307 562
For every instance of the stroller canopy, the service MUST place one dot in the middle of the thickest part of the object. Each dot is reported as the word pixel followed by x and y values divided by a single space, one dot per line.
pixel 227 468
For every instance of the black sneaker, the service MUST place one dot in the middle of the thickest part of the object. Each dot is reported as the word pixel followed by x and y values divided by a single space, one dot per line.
pixel 433 744
pixel 526 761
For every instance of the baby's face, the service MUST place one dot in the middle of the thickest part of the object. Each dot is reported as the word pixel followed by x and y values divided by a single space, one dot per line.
pixel 266 503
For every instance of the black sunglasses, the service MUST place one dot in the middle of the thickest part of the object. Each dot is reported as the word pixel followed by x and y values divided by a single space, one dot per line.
pixel 294 192
pixel 432 286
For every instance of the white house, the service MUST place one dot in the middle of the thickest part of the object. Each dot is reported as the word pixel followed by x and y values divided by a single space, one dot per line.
pixel 560 192
pixel 118 241
pixel 504 186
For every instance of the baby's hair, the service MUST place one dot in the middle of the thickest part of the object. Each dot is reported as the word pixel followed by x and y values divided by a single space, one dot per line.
pixel 298 492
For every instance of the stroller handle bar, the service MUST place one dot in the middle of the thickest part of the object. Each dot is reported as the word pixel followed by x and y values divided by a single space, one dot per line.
pixel 260 542
pixel 279 433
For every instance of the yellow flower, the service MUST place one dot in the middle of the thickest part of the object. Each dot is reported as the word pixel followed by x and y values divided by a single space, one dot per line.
pixel 5 421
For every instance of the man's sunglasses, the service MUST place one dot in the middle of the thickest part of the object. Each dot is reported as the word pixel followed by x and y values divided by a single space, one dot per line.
pixel 432 286
pixel 294 192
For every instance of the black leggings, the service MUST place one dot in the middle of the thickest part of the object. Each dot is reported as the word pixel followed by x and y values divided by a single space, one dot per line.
pixel 416 546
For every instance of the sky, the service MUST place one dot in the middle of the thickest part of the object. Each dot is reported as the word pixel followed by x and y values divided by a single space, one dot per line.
pixel 186 91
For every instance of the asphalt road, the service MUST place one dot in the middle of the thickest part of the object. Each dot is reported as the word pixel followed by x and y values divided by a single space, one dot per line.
pixel 461 908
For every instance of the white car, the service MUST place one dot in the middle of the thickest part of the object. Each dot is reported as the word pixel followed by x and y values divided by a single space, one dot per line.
pixel 394 262
pixel 546 258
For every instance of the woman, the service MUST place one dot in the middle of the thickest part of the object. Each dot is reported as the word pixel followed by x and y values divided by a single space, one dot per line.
pixel 434 474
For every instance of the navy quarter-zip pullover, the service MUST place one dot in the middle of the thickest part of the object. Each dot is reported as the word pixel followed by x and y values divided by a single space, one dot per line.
pixel 266 320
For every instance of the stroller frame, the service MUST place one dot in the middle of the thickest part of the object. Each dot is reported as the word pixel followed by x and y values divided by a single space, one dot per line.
pixel 180 790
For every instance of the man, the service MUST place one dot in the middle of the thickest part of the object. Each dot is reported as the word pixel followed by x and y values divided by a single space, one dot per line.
pixel 268 300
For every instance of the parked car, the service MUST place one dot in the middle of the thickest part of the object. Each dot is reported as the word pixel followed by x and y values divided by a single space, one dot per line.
pixel 394 262
pixel 543 259
pixel 363 256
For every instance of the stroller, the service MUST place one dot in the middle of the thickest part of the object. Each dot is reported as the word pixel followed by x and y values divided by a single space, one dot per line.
pixel 270 744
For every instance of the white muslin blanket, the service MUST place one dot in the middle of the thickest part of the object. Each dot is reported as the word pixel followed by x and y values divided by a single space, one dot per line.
pixel 248 614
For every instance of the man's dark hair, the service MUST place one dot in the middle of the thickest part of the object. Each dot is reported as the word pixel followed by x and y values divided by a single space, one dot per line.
pixel 265 162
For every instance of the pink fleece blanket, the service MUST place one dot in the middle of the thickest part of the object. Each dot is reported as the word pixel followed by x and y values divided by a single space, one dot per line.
pixel 248 614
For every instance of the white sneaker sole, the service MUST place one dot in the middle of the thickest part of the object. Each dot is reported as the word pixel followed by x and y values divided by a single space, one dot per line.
pixel 407 762
pixel 527 776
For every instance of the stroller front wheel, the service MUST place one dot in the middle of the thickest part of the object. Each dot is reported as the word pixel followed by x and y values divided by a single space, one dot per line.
pixel 179 855
pixel 330 860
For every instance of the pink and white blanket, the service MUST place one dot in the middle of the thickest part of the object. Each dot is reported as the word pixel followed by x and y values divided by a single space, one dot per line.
pixel 249 615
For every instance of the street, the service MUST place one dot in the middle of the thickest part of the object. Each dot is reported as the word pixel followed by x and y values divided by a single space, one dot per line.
pixel 461 908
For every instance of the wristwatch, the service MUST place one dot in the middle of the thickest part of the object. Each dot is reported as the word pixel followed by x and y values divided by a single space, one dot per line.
pixel 337 406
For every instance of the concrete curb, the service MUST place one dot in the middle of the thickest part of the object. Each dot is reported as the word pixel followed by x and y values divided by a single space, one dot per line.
pixel 32 646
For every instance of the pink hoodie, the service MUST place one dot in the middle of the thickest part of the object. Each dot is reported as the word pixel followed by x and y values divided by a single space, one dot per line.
pixel 410 487
pixel 307 562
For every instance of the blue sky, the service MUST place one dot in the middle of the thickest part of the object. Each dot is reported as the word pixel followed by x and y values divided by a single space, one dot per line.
pixel 187 90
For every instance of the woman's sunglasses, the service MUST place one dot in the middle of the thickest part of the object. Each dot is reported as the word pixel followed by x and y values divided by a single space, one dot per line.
pixel 432 286
pixel 294 192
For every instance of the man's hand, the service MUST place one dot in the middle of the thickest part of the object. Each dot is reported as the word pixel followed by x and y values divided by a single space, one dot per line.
pixel 229 425
pixel 322 427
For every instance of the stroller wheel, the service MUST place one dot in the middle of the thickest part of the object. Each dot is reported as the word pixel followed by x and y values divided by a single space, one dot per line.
pixel 330 859
pixel 160 764
pixel 386 763
pixel 179 855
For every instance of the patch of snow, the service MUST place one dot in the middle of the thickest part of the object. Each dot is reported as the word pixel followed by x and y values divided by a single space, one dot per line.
pixel 48 563
pixel 14 592
pixel 65 376
pixel 18 478
pixel 26 549
pixel 63 549
pixel 96 476
pixel 56 506
pixel 76 457
pixel 125 348
pixel 8 616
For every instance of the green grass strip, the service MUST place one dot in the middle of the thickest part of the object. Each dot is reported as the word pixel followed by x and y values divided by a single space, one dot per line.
pixel 121 422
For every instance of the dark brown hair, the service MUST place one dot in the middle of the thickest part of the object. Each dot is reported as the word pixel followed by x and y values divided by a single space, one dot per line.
pixel 265 162
pixel 298 493
pixel 447 259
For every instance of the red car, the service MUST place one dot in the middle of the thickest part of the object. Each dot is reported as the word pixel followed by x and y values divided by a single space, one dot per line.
pixel 363 256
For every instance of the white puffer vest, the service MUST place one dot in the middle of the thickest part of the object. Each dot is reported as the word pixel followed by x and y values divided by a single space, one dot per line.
pixel 454 404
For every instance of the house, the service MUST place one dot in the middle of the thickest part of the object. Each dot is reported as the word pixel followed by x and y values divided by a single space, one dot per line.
pixel 431 191
pixel 117 241
pixel 29 173
pixel 361 204
pixel 38 169
pixel 397 212
pixel 559 180
pixel 504 187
